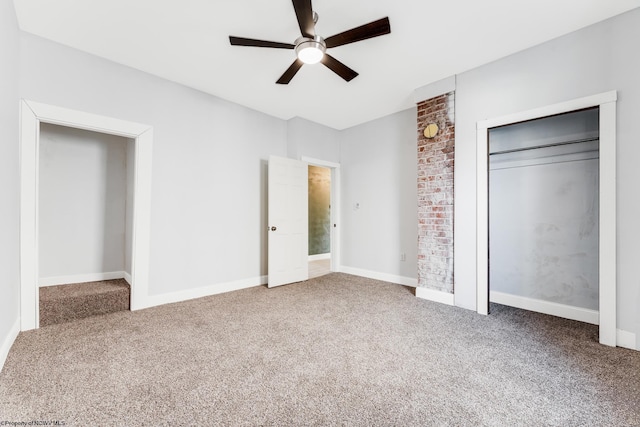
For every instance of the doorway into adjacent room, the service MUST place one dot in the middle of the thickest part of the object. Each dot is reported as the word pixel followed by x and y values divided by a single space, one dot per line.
pixel 319 221
pixel 139 137
pixel 324 216
pixel 288 220
pixel 85 212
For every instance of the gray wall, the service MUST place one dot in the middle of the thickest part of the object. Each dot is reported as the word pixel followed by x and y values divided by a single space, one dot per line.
pixel 208 198
pixel 319 210
pixel 305 138
pixel 82 194
pixel 9 172
pixel 557 71
pixel 379 171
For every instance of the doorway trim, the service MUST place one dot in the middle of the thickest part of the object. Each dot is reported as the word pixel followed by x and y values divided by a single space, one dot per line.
pixel 31 115
pixel 607 206
pixel 335 208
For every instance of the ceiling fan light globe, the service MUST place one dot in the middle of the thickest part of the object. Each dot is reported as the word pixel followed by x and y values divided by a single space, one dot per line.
pixel 310 55
pixel 310 51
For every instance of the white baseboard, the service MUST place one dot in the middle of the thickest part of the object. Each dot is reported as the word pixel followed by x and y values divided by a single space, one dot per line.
pixel 436 296
pixel 318 257
pixel 127 277
pixel 219 288
pixel 8 342
pixel 546 307
pixel 626 339
pixel 80 278
pixel 407 281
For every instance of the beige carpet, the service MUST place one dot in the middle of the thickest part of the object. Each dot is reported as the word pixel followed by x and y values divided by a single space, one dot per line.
pixel 66 303
pixel 336 350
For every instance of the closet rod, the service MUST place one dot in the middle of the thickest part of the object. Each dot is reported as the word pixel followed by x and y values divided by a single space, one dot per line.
pixel 515 150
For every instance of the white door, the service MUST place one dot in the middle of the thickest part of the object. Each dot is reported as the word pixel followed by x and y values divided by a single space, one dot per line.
pixel 288 221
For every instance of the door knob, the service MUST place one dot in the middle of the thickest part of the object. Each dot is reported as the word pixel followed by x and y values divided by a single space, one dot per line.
pixel 273 229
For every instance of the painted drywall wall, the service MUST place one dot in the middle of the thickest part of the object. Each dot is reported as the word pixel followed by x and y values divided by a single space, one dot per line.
pixel 543 209
pixel 9 177
pixel 309 139
pixel 208 197
pixel 319 210
pixel 81 202
pixel 379 195
pixel 557 71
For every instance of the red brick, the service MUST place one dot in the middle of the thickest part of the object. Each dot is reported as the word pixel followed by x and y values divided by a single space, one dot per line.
pixel 435 193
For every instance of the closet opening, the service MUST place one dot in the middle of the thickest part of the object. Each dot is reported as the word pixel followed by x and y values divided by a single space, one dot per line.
pixel 544 215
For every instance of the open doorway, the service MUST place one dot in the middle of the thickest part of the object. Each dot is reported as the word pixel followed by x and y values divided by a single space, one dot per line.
pixel 85 209
pixel 33 116
pixel 324 218
pixel 319 220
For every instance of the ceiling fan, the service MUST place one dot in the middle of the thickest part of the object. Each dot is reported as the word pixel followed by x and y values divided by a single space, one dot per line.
pixel 311 48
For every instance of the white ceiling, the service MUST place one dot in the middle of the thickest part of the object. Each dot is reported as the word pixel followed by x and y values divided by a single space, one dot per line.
pixel 186 41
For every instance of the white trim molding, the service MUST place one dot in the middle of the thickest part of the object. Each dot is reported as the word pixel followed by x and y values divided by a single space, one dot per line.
pixel 205 291
pixel 80 278
pixel 319 162
pixel 435 296
pixel 392 278
pixel 606 102
pixel 31 115
pixel 8 342
pixel 546 307
pixel 626 339
pixel 319 257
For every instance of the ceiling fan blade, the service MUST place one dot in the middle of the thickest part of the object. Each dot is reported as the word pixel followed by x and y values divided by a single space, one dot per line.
pixel 339 68
pixel 363 32
pixel 291 71
pixel 241 41
pixel 304 13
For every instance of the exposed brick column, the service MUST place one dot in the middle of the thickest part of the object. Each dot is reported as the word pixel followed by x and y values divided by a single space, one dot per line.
pixel 435 194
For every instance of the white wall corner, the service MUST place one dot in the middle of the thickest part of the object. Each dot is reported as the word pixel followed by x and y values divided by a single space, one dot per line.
pixel 392 278
pixel 435 296
pixel 626 339
pixel 8 342
pixel 434 89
